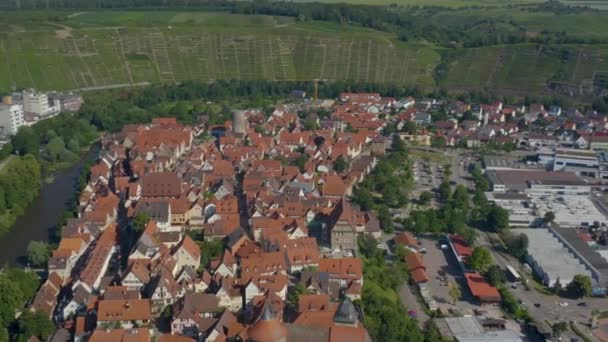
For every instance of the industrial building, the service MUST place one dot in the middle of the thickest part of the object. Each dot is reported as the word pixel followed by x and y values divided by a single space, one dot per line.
pixel 569 210
pixel 550 259
pixel 537 182
pixel 520 207
pixel 474 329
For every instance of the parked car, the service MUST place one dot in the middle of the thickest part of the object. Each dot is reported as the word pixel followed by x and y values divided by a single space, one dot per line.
pixel 563 304
pixel 537 305
pixel 582 304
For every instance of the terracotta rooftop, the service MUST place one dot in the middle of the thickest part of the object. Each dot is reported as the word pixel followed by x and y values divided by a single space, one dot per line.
pixel 414 261
pixel 406 239
pixel 115 310
pixel 342 268
pixel 481 289
pixel 121 335
pixel 161 184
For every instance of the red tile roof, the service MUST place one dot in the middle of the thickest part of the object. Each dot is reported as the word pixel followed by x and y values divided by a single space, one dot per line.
pixel 161 184
pixel 123 310
pixel 481 289
pixel 414 261
pixel 334 186
pixel 419 276
pixel 406 239
pixel 347 334
pixel 461 246
pixel 343 268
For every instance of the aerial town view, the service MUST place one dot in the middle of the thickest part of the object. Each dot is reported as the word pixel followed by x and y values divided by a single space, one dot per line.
pixel 333 171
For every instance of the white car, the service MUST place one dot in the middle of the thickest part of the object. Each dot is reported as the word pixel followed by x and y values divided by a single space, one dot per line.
pixel 563 304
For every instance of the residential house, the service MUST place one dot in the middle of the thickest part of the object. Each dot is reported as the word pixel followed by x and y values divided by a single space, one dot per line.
pixel 193 314
pixel 187 254
pixel 123 312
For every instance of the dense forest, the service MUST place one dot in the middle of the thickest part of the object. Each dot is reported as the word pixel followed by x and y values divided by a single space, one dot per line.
pixel 407 22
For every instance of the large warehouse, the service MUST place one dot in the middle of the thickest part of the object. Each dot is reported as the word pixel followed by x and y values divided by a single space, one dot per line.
pixel 550 258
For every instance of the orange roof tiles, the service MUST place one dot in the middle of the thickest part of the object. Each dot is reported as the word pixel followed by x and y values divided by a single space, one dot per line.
pixel 99 255
pixel 414 261
pixel 308 302
pixel 263 263
pixel 191 247
pixel 161 184
pixel 322 319
pixel 351 268
pixel 419 276
pixel 347 334
pixel 334 186
pixel 121 335
pixel 481 289
pixel 406 239
pixel 123 310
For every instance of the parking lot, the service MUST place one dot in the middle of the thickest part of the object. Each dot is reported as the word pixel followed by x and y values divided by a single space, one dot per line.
pixel 442 274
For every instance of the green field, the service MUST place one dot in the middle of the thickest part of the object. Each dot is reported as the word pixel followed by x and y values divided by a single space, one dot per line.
pixel 97 50
pixel 116 48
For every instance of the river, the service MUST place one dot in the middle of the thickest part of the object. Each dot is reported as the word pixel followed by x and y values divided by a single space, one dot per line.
pixel 42 215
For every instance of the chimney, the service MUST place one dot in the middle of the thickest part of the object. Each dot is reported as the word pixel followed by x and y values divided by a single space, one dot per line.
pixel 127 305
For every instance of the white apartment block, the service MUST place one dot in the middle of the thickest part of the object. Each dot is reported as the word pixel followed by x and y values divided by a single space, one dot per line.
pixel 11 117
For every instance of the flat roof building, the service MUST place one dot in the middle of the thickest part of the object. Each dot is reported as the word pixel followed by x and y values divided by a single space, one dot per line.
pixel 537 182
pixel 470 329
pixel 550 258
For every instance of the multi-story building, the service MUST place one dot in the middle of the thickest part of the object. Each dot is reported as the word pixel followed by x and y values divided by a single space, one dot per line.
pixel 37 103
pixel 11 117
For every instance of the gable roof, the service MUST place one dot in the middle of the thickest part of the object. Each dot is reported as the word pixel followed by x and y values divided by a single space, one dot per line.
pixel 123 310
pixel 161 184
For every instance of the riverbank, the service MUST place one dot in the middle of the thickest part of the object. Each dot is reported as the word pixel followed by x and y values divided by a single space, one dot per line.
pixel 40 219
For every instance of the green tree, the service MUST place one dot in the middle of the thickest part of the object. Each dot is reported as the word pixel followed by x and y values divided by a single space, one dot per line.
pixel 445 192
pixel 495 275
pixel 301 161
pixel 397 144
pixel 386 219
pixel 11 298
pixel 498 219
pixel 210 249
pixel 26 141
pixel 293 294
pixel 74 145
pixel 27 281
pixel 517 245
pixel 38 253
pixel 140 221
pixel 409 127
pixel 438 142
pixel 2 201
pixel 55 149
pixel 480 259
pixel 35 324
pixel 454 293
pixel 431 332
pixel 340 164
pixel 425 198
pixel 580 286
pixel 460 198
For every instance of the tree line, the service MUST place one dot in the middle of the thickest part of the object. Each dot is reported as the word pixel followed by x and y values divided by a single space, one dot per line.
pixel 19 184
